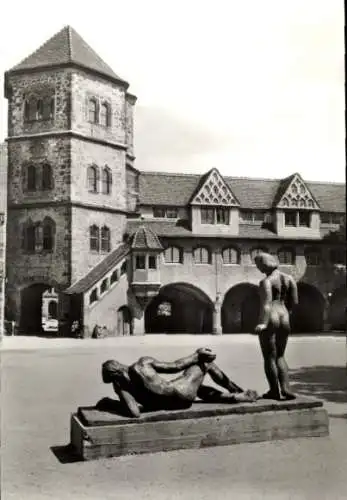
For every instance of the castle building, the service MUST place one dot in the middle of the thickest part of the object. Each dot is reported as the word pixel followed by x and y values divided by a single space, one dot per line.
pixel 135 252
pixel 3 210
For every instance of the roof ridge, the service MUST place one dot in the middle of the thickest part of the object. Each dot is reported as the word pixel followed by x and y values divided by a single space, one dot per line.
pixel 247 178
pixel 69 41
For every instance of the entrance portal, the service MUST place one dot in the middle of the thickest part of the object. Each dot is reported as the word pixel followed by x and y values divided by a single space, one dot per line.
pixel 124 321
pixel 240 309
pixel 308 315
pixel 179 308
pixel 338 309
pixel 33 316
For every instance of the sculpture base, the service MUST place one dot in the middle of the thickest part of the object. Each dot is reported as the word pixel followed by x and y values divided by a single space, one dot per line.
pixel 99 434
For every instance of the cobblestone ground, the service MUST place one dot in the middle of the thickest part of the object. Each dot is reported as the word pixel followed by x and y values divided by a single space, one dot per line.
pixel 44 380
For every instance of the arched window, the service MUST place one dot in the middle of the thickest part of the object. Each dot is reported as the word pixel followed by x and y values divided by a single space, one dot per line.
pixel 105 239
pixel 105 114
pixel 106 180
pixel 92 111
pixel 114 276
pixel 94 238
pixel 26 110
pixel 48 234
pixel 257 251
pixel 286 256
pixel 93 178
pixel 173 255
pixel 39 109
pixel 202 255
pixel 313 257
pixel 28 236
pixel 53 309
pixel 231 256
pixel 47 177
pixel 104 285
pixel 31 178
pixel 123 268
pixel 93 296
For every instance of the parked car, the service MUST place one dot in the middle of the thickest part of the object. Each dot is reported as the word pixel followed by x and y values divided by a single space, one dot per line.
pixel 50 325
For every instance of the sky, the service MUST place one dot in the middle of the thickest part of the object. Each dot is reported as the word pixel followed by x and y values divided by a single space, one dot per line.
pixel 254 88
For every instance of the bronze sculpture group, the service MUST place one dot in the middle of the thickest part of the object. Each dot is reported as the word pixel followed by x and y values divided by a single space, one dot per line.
pixel 141 386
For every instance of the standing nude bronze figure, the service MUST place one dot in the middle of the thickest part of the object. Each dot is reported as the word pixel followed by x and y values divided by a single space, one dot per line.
pixel 141 384
pixel 278 293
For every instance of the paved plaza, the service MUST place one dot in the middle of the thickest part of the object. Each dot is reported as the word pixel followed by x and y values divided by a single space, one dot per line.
pixel 45 380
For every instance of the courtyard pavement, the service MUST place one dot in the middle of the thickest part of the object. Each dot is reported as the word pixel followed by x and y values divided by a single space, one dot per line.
pixel 44 380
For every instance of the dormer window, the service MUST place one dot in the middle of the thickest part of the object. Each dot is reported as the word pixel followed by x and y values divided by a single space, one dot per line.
pixel 165 212
pixel 215 215
pixel 297 218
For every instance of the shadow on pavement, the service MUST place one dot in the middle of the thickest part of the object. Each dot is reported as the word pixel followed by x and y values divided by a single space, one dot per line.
pixel 65 454
pixel 328 383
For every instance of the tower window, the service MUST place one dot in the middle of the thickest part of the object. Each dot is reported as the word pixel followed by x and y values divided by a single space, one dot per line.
pixel 92 111
pixel 28 237
pixel 47 177
pixel 39 109
pixel 106 180
pixel 105 239
pixel 93 177
pixel 105 114
pixel 31 179
pixel 94 238
pixel 48 234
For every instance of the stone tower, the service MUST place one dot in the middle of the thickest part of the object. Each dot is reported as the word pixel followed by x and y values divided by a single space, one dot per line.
pixel 70 140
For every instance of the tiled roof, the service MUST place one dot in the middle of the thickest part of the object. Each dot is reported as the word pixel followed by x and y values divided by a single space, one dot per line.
pixel 99 270
pixel 157 188
pixel 145 238
pixel 66 47
pixel 181 228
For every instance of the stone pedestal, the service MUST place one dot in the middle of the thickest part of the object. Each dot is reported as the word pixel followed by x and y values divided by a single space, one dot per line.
pixel 98 434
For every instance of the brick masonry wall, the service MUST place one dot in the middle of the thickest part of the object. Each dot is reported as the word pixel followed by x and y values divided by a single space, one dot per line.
pixel 82 258
pixel 84 154
pixel 55 151
pixel 42 267
pixel 85 86
pixel 129 124
pixel 55 82
pixel 132 189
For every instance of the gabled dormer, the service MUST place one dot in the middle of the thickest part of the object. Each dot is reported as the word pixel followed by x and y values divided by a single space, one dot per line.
pixel 214 207
pixel 296 211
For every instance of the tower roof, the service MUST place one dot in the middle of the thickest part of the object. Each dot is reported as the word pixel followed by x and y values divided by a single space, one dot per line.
pixel 145 239
pixel 66 47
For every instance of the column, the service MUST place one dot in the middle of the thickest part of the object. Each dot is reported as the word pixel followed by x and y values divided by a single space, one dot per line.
pixel 217 316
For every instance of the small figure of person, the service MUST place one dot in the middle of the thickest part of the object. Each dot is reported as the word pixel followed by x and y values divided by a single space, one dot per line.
pixel 278 294
pixel 142 385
